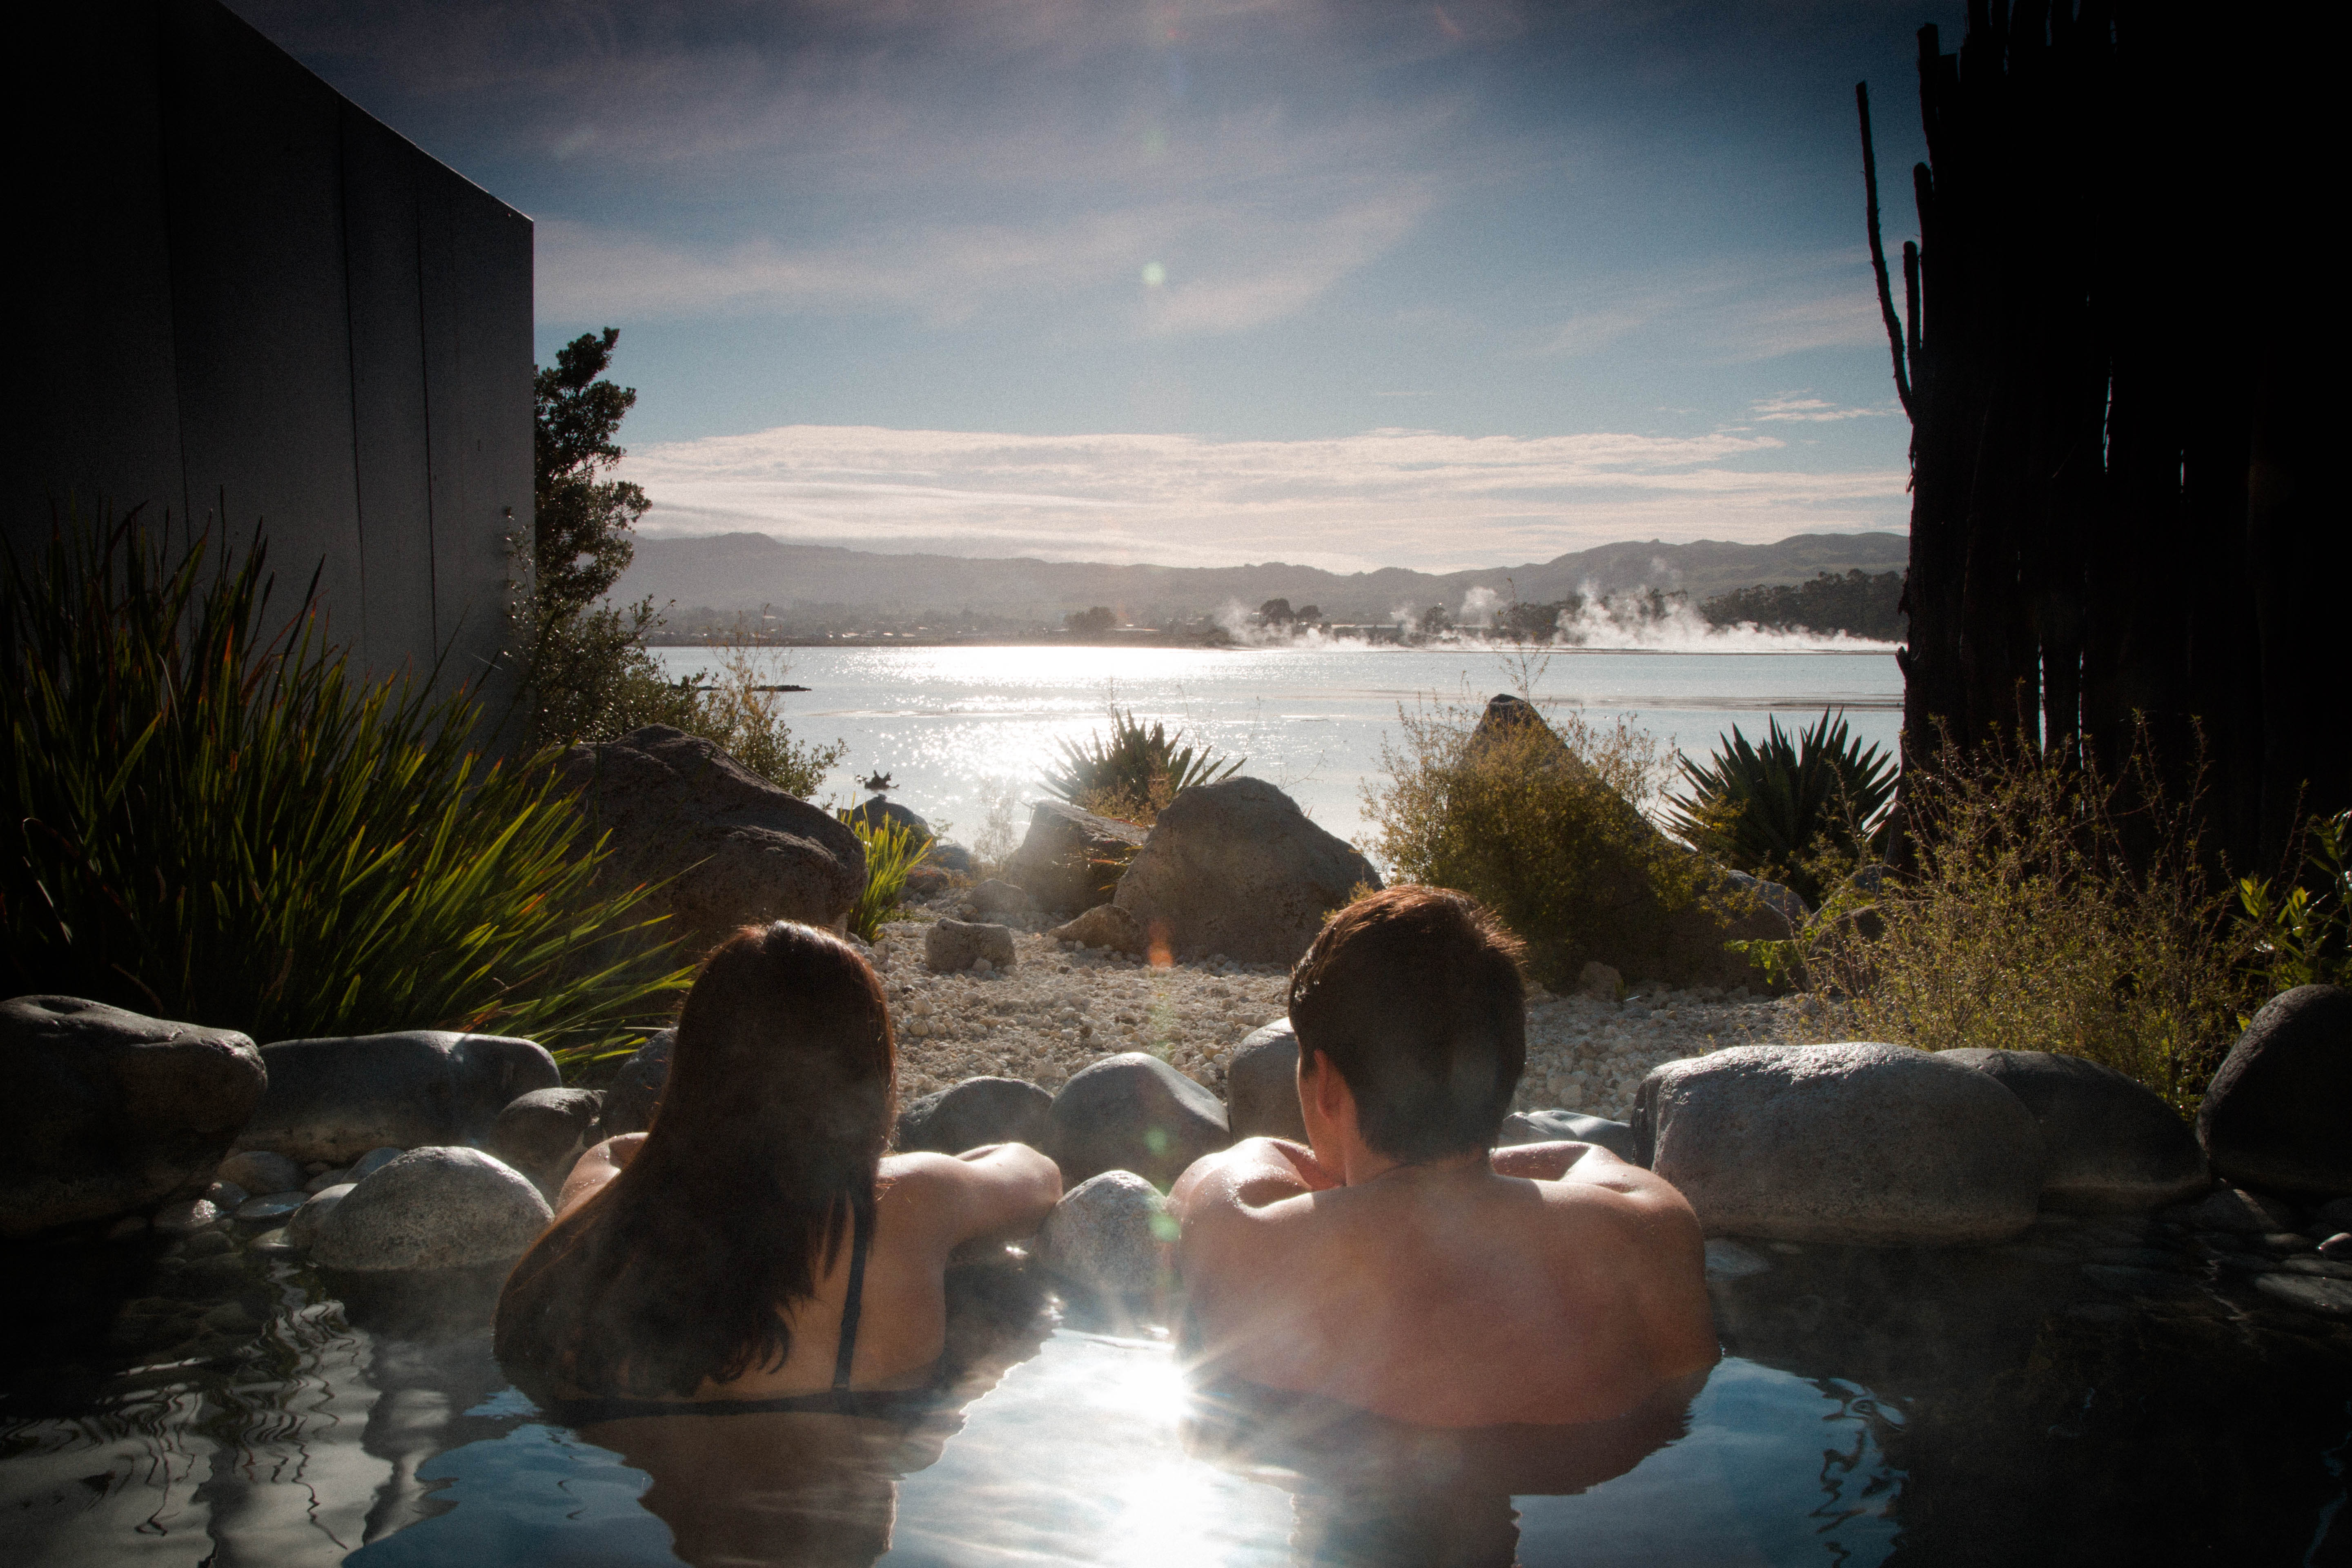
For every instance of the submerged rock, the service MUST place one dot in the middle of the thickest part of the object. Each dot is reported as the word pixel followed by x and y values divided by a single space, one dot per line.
pixel 334 1099
pixel 949 946
pixel 1060 862
pixel 1110 1235
pixel 110 1111
pixel 1262 1085
pixel 1133 1112
pixel 2107 1143
pixel 1859 1143
pixel 431 1208
pixel 976 1111
pixel 2274 1116
pixel 1236 868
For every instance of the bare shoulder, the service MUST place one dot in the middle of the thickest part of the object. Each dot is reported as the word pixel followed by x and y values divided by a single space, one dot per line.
pixel 980 1191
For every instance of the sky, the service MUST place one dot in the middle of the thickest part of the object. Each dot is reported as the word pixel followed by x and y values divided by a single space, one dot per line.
pixel 1340 282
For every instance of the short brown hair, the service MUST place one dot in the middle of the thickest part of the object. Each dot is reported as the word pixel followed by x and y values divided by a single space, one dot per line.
pixel 1414 996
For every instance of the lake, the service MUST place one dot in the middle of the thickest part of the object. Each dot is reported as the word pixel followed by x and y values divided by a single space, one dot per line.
pixel 958 727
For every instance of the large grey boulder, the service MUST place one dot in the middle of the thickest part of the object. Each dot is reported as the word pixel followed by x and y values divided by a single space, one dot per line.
pixel 976 1111
pixel 1133 1112
pixel 725 847
pixel 1057 861
pixel 109 1111
pixel 636 1088
pixel 1262 1085
pixel 334 1099
pixel 1112 1236
pixel 1859 1143
pixel 951 947
pixel 1568 1126
pixel 433 1209
pixel 2107 1143
pixel 540 1133
pixel 1236 868
pixel 303 1227
pixel 2278 1113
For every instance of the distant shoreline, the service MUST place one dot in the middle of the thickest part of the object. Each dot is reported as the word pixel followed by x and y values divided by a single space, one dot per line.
pixel 1170 640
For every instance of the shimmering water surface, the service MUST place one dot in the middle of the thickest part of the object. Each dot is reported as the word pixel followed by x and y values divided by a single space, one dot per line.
pixel 952 725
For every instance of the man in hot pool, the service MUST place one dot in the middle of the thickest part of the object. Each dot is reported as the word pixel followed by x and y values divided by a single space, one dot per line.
pixel 1400 1263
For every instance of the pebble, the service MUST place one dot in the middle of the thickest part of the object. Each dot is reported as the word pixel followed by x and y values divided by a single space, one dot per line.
pixel 1056 1011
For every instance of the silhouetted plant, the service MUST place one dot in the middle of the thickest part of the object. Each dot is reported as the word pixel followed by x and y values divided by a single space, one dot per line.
pixel 1134 774
pixel 210 816
pixel 1771 810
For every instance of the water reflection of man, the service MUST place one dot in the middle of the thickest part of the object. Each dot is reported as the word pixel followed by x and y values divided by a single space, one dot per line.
pixel 1403 1265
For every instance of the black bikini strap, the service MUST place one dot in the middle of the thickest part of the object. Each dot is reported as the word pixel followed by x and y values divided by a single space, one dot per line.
pixel 854 1301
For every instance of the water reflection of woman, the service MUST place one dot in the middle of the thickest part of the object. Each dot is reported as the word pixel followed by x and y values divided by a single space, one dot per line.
pixel 748 1299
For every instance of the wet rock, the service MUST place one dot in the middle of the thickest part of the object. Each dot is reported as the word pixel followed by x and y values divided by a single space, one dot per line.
pixel 1107 926
pixel 259 1170
pixel 2107 1142
pixel 225 1196
pixel 540 1131
pixel 996 900
pixel 1728 1260
pixel 1262 1085
pixel 1556 1126
pixel 108 1111
pixel 187 1216
pixel 2316 1267
pixel 329 1178
pixel 953 945
pixel 433 1208
pixel 1059 861
pixel 2273 1116
pixel 1236 868
pixel 334 1099
pixel 303 1226
pixel 727 847
pixel 1133 1112
pixel 1110 1235
pixel 374 1160
pixel 1858 1142
pixel 2242 1213
pixel 976 1111
pixel 635 1089
pixel 2321 1298
pixel 272 1209
pixel 2338 1245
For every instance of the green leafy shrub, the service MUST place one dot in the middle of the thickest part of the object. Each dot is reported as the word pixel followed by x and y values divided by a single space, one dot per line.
pixel 210 816
pixel 892 849
pixel 1539 822
pixel 2304 937
pixel 1134 774
pixel 1773 810
pixel 2050 909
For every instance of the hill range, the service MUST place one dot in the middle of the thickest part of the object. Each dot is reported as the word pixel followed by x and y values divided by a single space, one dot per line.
pixel 745 572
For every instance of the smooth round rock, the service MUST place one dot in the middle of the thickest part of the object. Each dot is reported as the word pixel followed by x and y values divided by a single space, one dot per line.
pixel 949 946
pixel 334 1099
pixel 1133 1112
pixel 325 1179
pixel 1262 1083
pixel 433 1208
pixel 1858 1143
pixel 303 1226
pixel 2108 1143
pixel 976 1111
pixel 2278 1112
pixel 225 1196
pixel 1111 1235
pixel 538 1131
pixel 187 1216
pixel 1566 1126
pixel 259 1171
pixel 2324 1297
pixel 270 1210
pixel 376 1160
pixel 110 1111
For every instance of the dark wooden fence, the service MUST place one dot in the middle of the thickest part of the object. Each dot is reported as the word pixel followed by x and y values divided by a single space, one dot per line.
pixel 2115 343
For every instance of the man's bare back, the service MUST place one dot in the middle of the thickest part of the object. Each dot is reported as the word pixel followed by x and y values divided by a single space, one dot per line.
pixel 1547 1284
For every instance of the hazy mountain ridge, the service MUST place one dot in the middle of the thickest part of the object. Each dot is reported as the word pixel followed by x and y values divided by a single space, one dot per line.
pixel 733 571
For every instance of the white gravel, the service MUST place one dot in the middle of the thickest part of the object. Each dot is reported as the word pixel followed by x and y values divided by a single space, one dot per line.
pixel 1059 1010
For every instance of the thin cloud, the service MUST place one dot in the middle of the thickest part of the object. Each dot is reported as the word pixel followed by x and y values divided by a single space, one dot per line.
pixel 1730 314
pixel 1797 407
pixel 1396 496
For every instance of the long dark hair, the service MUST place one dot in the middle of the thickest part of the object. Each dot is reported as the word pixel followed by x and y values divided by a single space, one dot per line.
pixel 765 1147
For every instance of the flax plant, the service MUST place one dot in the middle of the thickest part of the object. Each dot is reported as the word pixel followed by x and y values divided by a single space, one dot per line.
pixel 211 817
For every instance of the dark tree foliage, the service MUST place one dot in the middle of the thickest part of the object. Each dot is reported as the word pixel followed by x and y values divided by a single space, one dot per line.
pixel 580 534
pixel 1860 604
pixel 1276 613
pixel 2122 406
pixel 1090 623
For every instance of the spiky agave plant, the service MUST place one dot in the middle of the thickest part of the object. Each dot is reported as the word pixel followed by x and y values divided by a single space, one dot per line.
pixel 207 815
pixel 1134 772
pixel 1771 810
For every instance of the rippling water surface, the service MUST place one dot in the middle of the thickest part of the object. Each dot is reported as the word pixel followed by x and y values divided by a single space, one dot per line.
pixel 951 725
